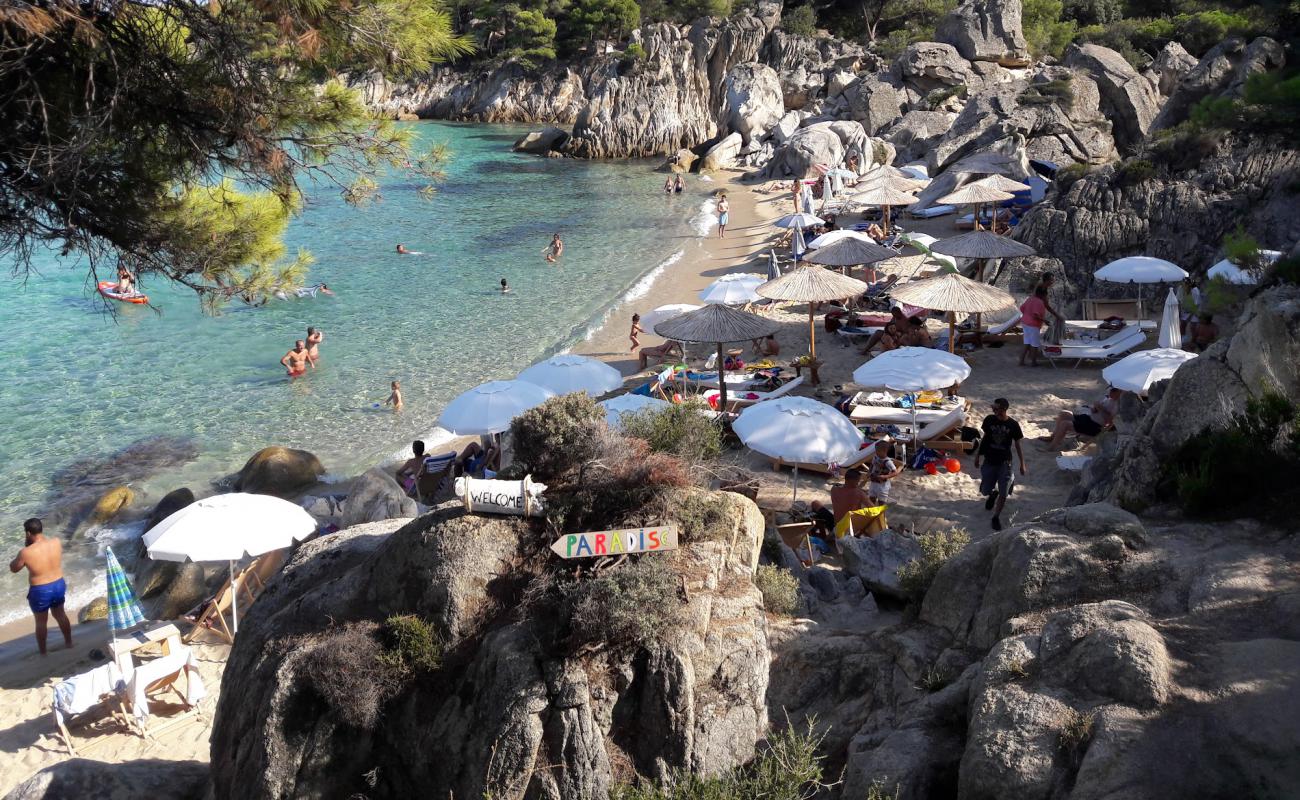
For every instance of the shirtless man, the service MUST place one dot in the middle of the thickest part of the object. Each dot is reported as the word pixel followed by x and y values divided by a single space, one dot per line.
pixel 850 496
pixel 890 334
pixel 296 361
pixel 314 338
pixel 43 559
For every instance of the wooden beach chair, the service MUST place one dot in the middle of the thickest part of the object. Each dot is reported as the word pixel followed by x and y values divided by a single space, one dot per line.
pixel 795 536
pixel 737 403
pixel 262 570
pixel 150 681
pixel 213 616
pixel 433 472
pixel 85 698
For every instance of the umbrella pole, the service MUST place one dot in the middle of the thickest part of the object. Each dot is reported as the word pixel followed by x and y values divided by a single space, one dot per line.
pixel 234 598
pixel 886 220
pixel 979 318
pixel 794 484
pixel 952 331
pixel 812 333
pixel 977 217
pixel 722 382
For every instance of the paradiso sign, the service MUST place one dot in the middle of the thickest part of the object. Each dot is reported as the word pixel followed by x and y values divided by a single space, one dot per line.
pixel 616 543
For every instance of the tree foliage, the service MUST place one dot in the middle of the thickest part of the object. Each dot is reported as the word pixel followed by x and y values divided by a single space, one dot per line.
pixel 1045 31
pixel 120 118
pixel 800 20
pixel 531 38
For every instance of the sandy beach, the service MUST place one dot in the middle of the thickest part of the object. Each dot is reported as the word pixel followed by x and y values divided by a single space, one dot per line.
pixel 27 733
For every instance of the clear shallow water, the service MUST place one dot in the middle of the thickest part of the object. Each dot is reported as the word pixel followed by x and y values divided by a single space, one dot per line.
pixel 78 385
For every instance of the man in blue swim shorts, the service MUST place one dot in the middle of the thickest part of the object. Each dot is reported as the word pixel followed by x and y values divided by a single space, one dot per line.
pixel 43 559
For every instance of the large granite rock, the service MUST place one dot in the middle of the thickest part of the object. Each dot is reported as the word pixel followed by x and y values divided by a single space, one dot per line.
pixel 815 144
pixel 1129 99
pixel 874 103
pixel 170 503
pixel 111 504
pixel 1222 71
pixel 985 30
pixel 375 496
pixel 926 66
pixel 876 560
pixel 278 471
pixel 1167 69
pixel 85 779
pixel 917 132
pixel 511 695
pixel 184 586
pixel 751 101
pixel 723 154
pixel 548 139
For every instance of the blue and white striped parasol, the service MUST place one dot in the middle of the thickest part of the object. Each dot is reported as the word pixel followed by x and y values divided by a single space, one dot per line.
pixel 123 609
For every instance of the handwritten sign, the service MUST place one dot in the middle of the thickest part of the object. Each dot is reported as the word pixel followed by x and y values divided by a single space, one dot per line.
pixel 519 498
pixel 616 543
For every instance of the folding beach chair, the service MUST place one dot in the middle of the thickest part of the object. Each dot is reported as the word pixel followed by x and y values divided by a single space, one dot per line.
pixel 75 698
pixel 795 536
pixel 433 473
pixel 213 615
pixel 147 681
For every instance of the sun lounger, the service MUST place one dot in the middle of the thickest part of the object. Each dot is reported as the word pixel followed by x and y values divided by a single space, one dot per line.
pixel 737 402
pixel 795 536
pixel 75 697
pixel 213 615
pixel 157 675
pixel 433 473
pixel 1120 344
pixel 932 211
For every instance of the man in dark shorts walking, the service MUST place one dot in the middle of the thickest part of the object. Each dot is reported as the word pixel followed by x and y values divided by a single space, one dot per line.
pixel 1002 434
pixel 43 559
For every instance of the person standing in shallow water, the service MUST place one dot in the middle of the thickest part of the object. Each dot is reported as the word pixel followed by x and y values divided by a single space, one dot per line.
pixel 555 249
pixel 43 560
pixel 724 214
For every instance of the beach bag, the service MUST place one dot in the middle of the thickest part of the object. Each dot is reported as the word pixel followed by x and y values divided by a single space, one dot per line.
pixel 922 457
pixel 972 435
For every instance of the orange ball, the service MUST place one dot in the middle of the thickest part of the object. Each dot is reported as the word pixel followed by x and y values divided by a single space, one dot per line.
pixel 931 468
pixel 953 465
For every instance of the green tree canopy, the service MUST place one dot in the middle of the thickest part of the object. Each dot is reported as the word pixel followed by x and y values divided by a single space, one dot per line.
pixel 127 125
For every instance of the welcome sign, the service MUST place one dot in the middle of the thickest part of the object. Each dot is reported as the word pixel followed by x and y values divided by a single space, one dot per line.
pixel 520 498
pixel 616 543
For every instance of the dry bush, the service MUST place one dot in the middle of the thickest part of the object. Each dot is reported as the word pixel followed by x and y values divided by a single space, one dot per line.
pixel 780 589
pixel 345 668
pixel 558 437
pixel 634 604
pixel 915 576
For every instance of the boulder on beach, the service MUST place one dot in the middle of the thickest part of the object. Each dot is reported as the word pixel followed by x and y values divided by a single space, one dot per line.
pixel 186 588
pixel 375 497
pixel 111 503
pixel 99 780
pixel 279 471
pixel 543 141
pixel 171 502
pixel 96 609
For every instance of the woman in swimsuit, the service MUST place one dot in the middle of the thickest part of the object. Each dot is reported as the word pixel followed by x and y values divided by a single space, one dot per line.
pixel 679 185
pixel 125 284
pixel 556 249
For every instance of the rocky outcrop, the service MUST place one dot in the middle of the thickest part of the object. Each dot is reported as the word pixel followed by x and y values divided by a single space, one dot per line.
pixel 927 66
pixel 93 611
pixel 874 103
pixel 181 587
pixel 278 471
pixel 985 30
pixel 803 63
pixel 111 504
pixel 1127 98
pixel 98 780
pixel 170 503
pixel 501 94
pixel 751 101
pixel 1207 392
pixel 374 497
pixel 1168 68
pixel 723 154
pixel 547 140
pixel 875 560
pixel 1222 71
pixel 510 698
pixel 815 144
pixel 917 132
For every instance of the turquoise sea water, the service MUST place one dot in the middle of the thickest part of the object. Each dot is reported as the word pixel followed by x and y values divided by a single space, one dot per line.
pixel 80 385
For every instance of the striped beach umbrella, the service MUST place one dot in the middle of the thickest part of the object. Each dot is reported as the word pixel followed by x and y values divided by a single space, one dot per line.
pixel 123 609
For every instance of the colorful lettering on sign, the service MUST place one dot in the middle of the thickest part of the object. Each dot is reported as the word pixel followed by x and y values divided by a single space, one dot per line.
pixel 618 542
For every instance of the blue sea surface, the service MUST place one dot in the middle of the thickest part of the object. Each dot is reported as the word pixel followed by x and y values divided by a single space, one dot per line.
pixel 80 385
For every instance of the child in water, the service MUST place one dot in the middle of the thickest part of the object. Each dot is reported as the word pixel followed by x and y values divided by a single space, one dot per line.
pixel 636 331
pixel 395 399
pixel 505 287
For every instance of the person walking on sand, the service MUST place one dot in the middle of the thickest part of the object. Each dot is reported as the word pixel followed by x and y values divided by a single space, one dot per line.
pixel 1002 434
pixel 395 399
pixel 314 338
pixel 555 249
pixel 724 212
pixel 1033 313
pixel 635 332
pixel 296 361
pixel 43 560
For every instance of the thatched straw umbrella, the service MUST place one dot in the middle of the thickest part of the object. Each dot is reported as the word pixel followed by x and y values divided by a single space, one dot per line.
pixel 884 195
pixel 812 285
pixel 976 194
pixel 982 246
pixel 892 176
pixel 1004 183
pixel 849 252
pixel 952 293
pixel 717 324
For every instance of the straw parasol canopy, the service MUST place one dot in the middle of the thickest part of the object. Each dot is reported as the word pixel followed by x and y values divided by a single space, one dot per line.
pixel 892 176
pixel 1004 183
pixel 812 285
pixel 977 194
pixel 982 245
pixel 849 252
pixel 884 194
pixel 952 292
pixel 718 324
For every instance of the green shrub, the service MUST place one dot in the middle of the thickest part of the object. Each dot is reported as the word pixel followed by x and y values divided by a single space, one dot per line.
pixel 679 430
pixel 800 20
pixel 789 768
pixel 1093 12
pixel 700 515
pixel 780 589
pixel 1245 469
pixel 1185 146
pixel 1045 31
pixel 634 52
pixel 938 97
pixel 1202 30
pixel 410 645
pixel 634 604
pixel 1068 176
pixel 1285 270
pixel 559 436
pixel 915 576
pixel 1059 91
pixel 1134 171
pixel 344 668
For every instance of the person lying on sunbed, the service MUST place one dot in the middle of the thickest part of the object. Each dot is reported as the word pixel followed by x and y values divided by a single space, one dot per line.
pixel 889 335
pixel 660 353
pixel 1089 421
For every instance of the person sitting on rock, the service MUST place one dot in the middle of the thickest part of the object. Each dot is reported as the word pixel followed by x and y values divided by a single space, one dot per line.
pixel 1202 333
pixel 406 474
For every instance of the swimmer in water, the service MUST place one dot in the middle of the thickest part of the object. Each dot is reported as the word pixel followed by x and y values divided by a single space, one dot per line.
pixel 314 338
pixel 668 185
pixel 296 361
pixel 555 250
pixel 401 250
pixel 679 186
pixel 395 399
pixel 505 287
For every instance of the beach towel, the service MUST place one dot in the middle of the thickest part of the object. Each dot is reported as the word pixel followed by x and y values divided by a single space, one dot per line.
pixel 159 668
pixel 862 520
pixel 82 692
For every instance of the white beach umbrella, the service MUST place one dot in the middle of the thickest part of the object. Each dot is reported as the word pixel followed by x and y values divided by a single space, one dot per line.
pixel 799 430
pixel 1136 372
pixel 912 369
pixel 663 313
pixel 730 292
pixel 800 220
pixel 567 373
pixel 1231 273
pixel 834 236
pixel 1140 270
pixel 228 527
pixel 1171 327
pixel 489 407
pixel 616 407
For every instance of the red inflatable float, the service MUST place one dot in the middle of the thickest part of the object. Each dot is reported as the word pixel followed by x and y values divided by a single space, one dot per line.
pixel 106 289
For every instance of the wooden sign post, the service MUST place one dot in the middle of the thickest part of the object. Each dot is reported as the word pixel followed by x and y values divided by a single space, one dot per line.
pixel 592 544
